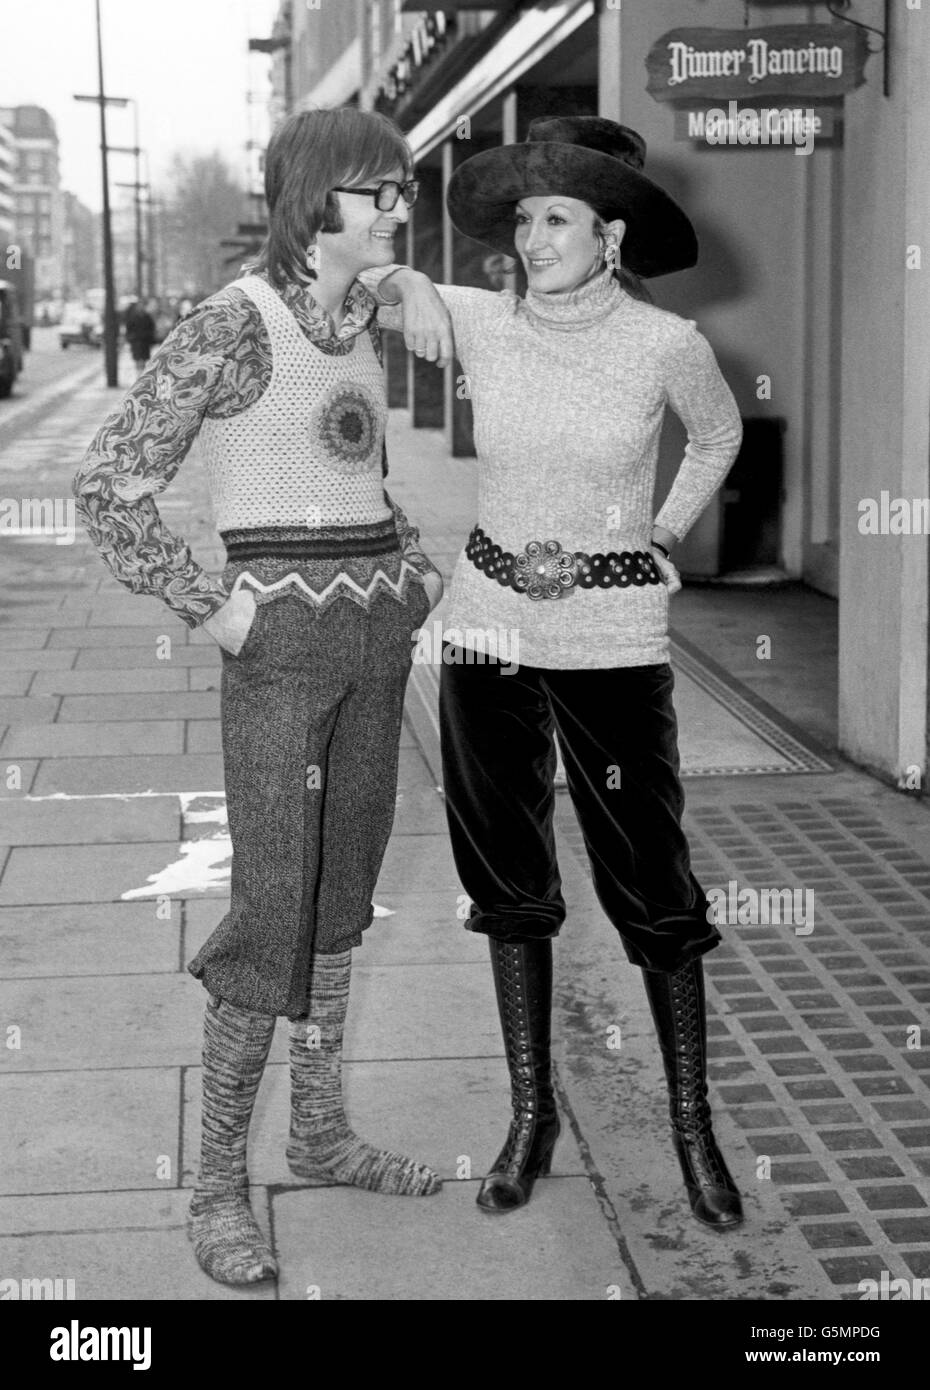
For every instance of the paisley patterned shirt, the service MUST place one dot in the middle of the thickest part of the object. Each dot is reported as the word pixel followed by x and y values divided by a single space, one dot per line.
pixel 215 364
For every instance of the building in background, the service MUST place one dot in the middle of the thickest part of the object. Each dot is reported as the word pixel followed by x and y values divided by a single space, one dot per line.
pixel 7 175
pixel 81 247
pixel 808 287
pixel 37 214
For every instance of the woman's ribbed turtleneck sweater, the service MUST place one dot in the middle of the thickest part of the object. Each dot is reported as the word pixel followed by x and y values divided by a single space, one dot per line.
pixel 569 391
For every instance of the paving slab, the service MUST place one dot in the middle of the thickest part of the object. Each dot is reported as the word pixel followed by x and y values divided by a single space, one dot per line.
pixel 169 773
pixel 81 873
pixel 451 1114
pixel 162 1209
pixel 13 619
pixel 89 1130
pixel 147 705
pixel 204 735
pixel 108 682
pixel 420 810
pixel 90 939
pixel 90 821
pixel 39 710
pixel 399 1011
pixel 17 778
pixel 423 930
pixel 20 639
pixel 149 635
pixel 114 739
pixel 419 864
pixel 129 1264
pixel 102 1022
pixel 118 658
pixel 412 771
pixel 131 611
pixel 205 677
pixel 443 1248
pixel 15 682
pixel 33 660
pixel 37 615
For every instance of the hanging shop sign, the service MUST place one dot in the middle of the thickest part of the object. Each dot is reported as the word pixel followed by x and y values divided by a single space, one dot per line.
pixel 783 60
pixel 735 124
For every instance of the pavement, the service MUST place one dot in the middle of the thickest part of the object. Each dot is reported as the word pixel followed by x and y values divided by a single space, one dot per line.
pixel 114 865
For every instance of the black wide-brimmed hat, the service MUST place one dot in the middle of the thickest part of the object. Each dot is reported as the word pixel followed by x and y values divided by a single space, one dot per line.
pixel 586 157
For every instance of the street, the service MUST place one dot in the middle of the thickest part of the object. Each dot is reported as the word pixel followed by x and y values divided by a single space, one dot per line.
pixel 114 863
pixel 47 369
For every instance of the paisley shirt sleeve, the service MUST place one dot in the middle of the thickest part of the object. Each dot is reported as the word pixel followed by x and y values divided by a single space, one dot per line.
pixel 409 537
pixel 217 361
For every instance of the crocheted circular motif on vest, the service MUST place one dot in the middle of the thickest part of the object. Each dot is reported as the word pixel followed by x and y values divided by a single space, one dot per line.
pixel 345 430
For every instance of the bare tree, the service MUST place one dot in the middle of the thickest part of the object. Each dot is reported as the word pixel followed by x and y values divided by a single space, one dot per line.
pixel 205 203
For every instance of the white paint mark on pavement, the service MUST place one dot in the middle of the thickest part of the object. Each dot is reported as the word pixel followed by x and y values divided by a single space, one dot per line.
pixel 205 858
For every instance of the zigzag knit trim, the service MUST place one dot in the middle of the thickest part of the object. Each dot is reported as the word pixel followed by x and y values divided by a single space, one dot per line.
pixel 341 586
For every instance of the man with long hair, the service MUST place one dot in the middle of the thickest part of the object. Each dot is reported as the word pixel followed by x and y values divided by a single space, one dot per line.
pixel 279 378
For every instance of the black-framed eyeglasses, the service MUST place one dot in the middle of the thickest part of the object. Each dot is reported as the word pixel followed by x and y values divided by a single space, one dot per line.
pixel 388 192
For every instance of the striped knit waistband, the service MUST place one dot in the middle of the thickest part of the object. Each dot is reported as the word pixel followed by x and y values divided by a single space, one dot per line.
pixel 316 543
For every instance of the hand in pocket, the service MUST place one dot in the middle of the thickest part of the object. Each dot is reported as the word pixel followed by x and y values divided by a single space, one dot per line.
pixel 230 625
pixel 432 583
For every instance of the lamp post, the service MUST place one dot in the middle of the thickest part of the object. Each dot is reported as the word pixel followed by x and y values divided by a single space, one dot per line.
pixel 140 254
pixel 134 149
pixel 109 308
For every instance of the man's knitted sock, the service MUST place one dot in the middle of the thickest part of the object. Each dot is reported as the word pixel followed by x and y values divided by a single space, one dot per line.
pixel 227 1240
pixel 322 1147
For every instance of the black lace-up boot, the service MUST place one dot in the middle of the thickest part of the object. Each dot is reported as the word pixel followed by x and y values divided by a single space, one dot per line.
pixel 678 1008
pixel 523 980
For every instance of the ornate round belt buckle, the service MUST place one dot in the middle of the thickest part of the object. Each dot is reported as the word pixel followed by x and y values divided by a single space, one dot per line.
pixel 544 570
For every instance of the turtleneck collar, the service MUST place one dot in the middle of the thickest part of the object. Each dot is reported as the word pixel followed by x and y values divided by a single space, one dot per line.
pixel 579 307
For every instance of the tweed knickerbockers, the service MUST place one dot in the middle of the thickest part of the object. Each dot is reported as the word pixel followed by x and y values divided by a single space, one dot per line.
pixel 311 717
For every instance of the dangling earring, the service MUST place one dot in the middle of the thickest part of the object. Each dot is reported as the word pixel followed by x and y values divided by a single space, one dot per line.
pixel 312 258
pixel 610 256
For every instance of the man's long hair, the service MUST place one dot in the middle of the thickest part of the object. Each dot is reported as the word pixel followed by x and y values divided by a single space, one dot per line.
pixel 309 154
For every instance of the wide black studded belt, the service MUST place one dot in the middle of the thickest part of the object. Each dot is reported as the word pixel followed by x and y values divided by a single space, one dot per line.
pixel 544 570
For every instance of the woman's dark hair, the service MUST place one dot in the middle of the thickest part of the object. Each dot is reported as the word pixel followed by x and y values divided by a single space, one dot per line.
pixel 309 154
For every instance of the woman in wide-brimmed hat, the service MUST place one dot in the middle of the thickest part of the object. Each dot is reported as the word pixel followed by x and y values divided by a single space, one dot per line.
pixel 564 583
pixel 558 616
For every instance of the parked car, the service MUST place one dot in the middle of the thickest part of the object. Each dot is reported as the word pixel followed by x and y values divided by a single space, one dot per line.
pixel 11 338
pixel 80 324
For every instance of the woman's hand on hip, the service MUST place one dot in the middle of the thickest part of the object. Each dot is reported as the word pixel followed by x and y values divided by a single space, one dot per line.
pixel 667 570
pixel 229 626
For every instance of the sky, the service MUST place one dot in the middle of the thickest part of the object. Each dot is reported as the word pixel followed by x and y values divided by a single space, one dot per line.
pixel 185 61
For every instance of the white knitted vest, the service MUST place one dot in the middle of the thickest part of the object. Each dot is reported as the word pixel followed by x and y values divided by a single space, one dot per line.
pixel 308 452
